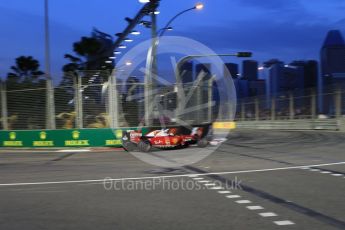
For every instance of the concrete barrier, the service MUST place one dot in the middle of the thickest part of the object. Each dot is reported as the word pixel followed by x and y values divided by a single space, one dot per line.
pixel 317 124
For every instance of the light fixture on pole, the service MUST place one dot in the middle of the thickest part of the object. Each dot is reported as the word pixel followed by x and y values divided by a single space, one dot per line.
pixel 128 40
pixel 199 6
pixel 134 32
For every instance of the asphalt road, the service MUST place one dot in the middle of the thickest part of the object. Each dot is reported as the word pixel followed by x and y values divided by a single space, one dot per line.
pixel 256 180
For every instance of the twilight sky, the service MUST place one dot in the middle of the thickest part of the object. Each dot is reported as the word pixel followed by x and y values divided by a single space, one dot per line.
pixel 284 29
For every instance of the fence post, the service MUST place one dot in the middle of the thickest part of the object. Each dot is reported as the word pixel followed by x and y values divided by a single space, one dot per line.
pixel 210 92
pixel 291 106
pixel 313 105
pixel 273 108
pixel 4 113
pixel 78 94
pixel 243 111
pixel 256 109
pixel 113 101
pixel 338 103
pixel 50 105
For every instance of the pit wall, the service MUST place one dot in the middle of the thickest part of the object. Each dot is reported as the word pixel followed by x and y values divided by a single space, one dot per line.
pixel 62 138
pixel 74 137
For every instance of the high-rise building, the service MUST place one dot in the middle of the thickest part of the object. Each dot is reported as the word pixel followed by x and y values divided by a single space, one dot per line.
pixel 332 67
pixel 257 88
pixel 333 55
pixel 250 70
pixel 283 79
pixel 310 72
pixel 186 72
pixel 231 70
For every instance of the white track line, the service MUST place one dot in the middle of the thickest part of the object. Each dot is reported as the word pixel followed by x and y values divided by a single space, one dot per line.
pixel 171 176
pixel 233 196
pixel 283 222
pixel 216 188
pixel 224 192
pixel 267 214
pixel 210 184
pixel 315 170
pixel 73 150
pixel 254 207
pixel 243 201
pixel 204 181
pixel 197 178
pixel 336 174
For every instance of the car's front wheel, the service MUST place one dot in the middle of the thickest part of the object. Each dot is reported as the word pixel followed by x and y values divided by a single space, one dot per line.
pixel 144 146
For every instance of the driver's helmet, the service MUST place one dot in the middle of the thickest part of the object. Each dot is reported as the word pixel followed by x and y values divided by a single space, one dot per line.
pixel 172 131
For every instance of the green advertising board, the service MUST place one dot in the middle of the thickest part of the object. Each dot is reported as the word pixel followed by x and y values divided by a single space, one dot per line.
pixel 62 138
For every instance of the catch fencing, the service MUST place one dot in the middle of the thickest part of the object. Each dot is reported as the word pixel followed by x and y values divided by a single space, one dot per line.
pixel 90 100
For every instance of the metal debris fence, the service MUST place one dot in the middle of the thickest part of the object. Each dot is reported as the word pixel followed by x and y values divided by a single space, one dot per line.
pixel 90 102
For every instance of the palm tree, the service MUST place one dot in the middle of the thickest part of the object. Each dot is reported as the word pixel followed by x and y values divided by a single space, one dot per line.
pixel 25 93
pixel 26 69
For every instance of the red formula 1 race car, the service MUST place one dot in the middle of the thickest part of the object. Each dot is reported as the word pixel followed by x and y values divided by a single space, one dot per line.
pixel 169 138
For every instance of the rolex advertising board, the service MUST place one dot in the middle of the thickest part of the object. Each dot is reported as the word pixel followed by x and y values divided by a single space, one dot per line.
pixel 62 138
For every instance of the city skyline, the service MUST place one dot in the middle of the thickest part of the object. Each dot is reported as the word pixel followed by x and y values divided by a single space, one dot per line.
pixel 287 37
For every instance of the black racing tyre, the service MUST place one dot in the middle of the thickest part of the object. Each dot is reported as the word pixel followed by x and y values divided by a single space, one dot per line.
pixel 202 143
pixel 144 146
pixel 128 146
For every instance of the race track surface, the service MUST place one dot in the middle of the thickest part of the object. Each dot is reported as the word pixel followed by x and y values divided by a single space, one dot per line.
pixel 256 180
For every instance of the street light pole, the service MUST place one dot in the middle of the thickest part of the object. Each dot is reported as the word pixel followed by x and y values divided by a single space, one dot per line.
pixel 198 6
pixel 50 106
pixel 151 62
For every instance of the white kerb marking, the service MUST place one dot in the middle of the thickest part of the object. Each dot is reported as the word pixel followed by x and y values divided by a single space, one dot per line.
pixel 197 178
pixel 315 170
pixel 204 181
pixel 283 222
pixel 233 196
pixel 336 174
pixel 243 201
pixel 254 207
pixel 210 184
pixel 224 192
pixel 267 214
pixel 216 188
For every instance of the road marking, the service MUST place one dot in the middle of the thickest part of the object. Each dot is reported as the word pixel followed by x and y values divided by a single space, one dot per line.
pixel 224 192
pixel 204 181
pixel 283 222
pixel 325 172
pixel 267 214
pixel 216 188
pixel 336 174
pixel 315 170
pixel 254 207
pixel 193 176
pixel 73 150
pixel 169 176
pixel 197 178
pixel 243 201
pixel 210 184
pixel 233 196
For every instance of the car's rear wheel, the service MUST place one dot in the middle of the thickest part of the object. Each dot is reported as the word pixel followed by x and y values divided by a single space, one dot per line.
pixel 128 146
pixel 202 143
pixel 144 146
